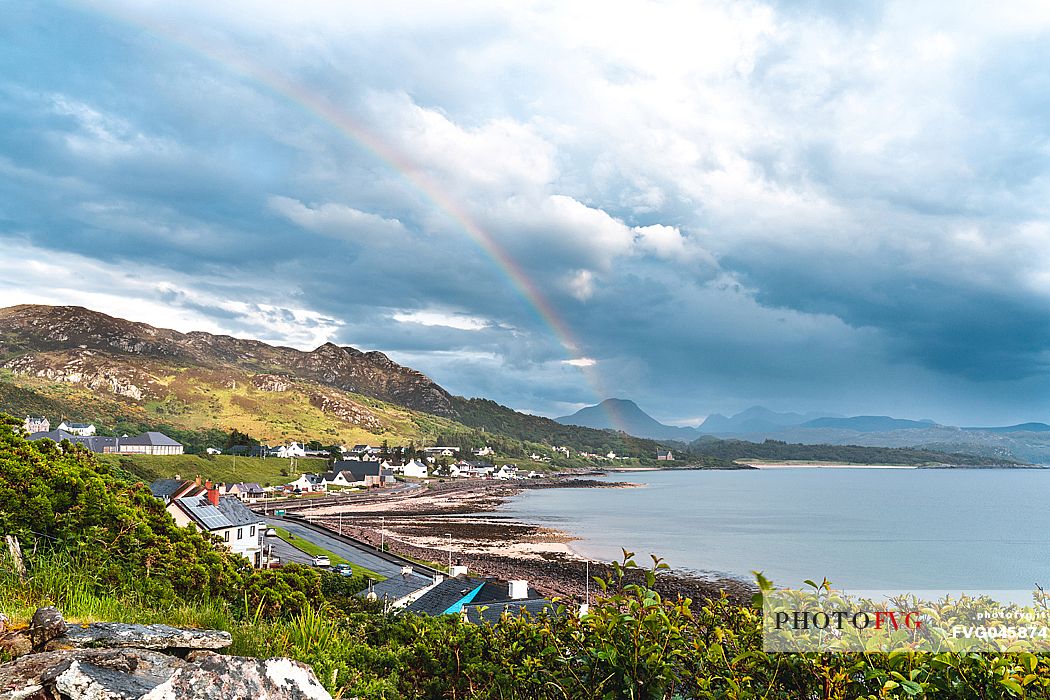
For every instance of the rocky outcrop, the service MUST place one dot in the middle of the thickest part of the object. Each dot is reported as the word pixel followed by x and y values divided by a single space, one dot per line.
pixel 96 372
pixel 191 671
pixel 120 635
pixel 29 330
pixel 271 382
pixel 346 410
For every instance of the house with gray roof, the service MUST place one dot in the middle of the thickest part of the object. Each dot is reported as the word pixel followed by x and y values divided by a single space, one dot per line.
pixel 399 591
pixel 36 424
pixel 357 473
pixel 448 597
pixel 149 443
pixel 94 443
pixel 225 517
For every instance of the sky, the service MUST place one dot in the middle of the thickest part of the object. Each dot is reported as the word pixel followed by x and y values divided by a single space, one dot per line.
pixel 701 206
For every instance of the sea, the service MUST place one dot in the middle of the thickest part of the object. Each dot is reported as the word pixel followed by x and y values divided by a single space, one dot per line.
pixel 861 528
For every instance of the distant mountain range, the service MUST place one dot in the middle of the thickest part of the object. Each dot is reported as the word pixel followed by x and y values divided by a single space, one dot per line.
pixel 625 415
pixel 1026 442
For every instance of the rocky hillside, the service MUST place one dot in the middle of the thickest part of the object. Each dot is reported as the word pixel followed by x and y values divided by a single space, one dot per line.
pixel 69 362
pixel 80 346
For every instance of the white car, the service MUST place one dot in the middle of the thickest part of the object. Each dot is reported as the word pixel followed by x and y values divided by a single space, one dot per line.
pixel 322 560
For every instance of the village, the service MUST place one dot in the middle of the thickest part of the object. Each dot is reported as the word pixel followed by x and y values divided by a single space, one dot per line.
pixel 245 517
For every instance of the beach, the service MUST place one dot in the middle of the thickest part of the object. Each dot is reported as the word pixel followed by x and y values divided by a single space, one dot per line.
pixel 462 516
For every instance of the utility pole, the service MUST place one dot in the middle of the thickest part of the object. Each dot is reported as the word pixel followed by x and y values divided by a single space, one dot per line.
pixel 449 536
pixel 382 534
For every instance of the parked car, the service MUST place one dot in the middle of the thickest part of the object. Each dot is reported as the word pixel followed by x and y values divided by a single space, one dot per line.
pixel 271 533
pixel 344 570
pixel 322 560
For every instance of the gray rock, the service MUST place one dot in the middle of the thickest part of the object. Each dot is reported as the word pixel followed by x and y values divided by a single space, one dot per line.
pixel 87 681
pixel 21 679
pixel 47 624
pixel 3 623
pixel 211 676
pixel 123 674
pixel 112 635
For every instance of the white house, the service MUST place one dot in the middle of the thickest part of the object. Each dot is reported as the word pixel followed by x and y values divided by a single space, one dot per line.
pixel 440 451
pixel 246 492
pixel 341 477
pixel 415 468
pixel 309 482
pixel 148 443
pixel 507 471
pixel 483 451
pixel 81 429
pixel 225 517
pixel 292 449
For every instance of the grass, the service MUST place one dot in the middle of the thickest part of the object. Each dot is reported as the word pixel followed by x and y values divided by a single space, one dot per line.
pixel 218 468
pixel 59 581
pixel 315 551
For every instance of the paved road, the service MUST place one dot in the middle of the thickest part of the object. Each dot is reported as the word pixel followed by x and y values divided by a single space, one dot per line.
pixel 356 555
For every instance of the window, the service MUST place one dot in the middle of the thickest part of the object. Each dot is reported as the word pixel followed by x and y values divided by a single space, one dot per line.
pixel 240 533
pixel 226 536
pixel 251 532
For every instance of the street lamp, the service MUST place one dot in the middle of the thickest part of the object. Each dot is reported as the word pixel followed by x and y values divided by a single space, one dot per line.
pixel 449 536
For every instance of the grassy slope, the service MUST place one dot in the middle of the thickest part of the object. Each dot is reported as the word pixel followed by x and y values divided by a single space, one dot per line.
pixel 219 468
pixel 196 400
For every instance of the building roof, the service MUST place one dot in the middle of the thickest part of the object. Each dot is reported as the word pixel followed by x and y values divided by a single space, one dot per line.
pixel 151 438
pixel 56 435
pixel 165 488
pixel 202 512
pixel 397 587
pixel 242 487
pixel 447 597
pixel 78 426
pixel 359 470
pixel 493 612
pixel 95 443
pixel 236 512
pixel 497 592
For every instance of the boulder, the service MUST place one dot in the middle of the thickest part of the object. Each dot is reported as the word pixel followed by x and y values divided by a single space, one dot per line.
pixel 112 635
pixel 47 624
pixel 126 674
pixel 211 676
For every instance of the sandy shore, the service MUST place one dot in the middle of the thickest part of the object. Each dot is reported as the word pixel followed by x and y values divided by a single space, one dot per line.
pixel 418 523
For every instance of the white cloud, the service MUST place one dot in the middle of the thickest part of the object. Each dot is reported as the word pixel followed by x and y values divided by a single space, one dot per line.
pixel 459 321
pixel 154 295
pixel 340 221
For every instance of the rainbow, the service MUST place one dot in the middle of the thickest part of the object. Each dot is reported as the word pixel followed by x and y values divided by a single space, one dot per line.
pixel 322 109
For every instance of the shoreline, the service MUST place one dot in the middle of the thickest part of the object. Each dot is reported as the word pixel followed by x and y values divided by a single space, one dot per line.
pixel 418 526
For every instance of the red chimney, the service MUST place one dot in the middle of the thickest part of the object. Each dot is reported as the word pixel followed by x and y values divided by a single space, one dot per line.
pixel 207 484
pixel 213 495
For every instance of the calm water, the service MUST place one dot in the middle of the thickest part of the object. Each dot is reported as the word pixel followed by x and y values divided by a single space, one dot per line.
pixel 862 528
